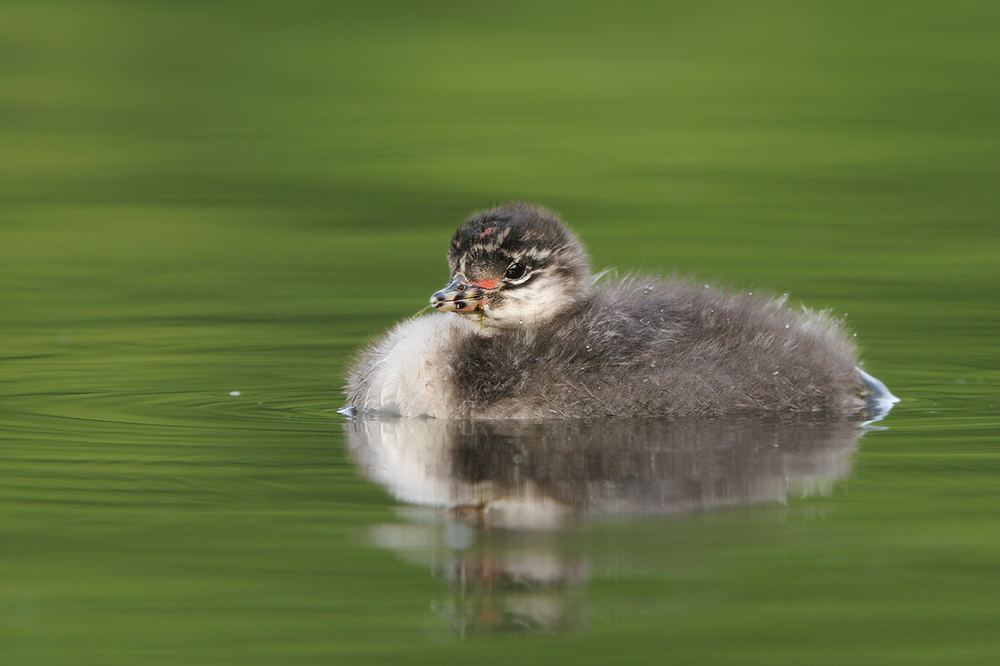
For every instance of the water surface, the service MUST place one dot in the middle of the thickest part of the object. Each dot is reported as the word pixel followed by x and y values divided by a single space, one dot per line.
pixel 197 201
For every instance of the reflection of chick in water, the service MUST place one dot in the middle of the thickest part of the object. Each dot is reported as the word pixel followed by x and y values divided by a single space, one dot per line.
pixel 653 466
pixel 497 588
pixel 500 580
pixel 529 478
pixel 532 475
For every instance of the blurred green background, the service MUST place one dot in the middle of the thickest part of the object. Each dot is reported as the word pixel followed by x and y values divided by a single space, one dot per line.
pixel 198 198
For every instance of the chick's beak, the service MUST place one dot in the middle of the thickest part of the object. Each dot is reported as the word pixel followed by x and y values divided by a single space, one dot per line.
pixel 463 296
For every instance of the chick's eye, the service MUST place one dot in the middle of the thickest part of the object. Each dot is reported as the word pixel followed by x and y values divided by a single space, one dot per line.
pixel 516 272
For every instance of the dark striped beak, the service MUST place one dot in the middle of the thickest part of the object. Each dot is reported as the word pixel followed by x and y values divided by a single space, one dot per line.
pixel 464 297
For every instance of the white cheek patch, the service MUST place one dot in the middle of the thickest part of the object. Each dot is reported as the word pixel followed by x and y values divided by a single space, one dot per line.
pixel 540 300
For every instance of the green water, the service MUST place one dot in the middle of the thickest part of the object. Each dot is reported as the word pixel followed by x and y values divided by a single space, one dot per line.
pixel 197 200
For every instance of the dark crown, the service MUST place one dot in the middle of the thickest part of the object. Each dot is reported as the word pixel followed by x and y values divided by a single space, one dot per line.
pixel 489 241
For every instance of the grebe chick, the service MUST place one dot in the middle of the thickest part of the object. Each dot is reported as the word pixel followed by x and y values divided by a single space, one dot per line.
pixel 527 333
